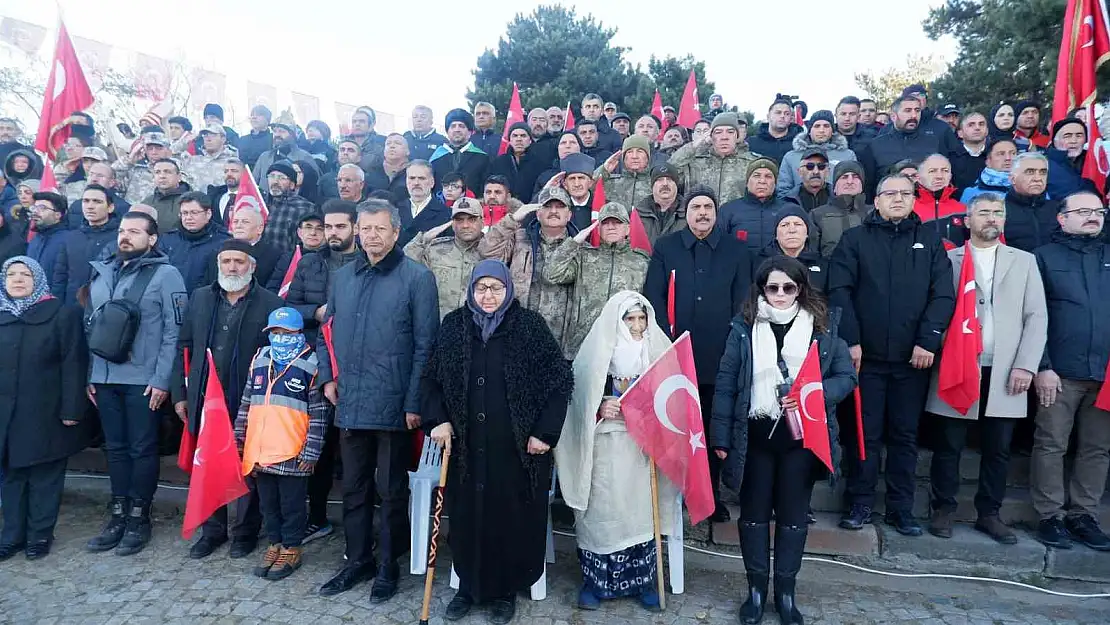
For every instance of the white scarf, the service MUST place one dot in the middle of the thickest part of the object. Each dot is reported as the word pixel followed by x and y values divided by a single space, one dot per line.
pixel 766 376
pixel 629 356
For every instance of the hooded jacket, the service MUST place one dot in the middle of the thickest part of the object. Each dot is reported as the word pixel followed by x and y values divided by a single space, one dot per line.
pixel 990 181
pixel 727 176
pixel 774 148
pixel 34 170
pixel 943 213
pixel 1076 273
pixel 835 150
pixel 193 252
pixel 1030 220
pixel 82 246
pixel 893 284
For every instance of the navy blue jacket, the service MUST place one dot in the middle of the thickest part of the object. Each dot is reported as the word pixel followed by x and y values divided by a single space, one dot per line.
pixel 422 147
pixel 1076 274
pixel 1030 220
pixel 1065 176
pixel 47 246
pixel 252 145
pixel 712 279
pixel 488 141
pixel 83 245
pixel 763 144
pixel 893 283
pixel 194 252
pixel 384 322
pixel 434 214
pixel 75 218
pixel 750 220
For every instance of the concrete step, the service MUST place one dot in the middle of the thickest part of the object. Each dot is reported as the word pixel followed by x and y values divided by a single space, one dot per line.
pixel 825 538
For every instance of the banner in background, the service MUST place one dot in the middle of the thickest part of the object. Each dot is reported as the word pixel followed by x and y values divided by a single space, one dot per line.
pixel 266 95
pixel 343 113
pixel 153 76
pixel 305 108
pixel 95 57
pixel 26 36
pixel 207 86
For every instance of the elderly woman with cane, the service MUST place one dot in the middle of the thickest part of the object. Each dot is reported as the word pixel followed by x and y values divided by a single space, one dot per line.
pixel 42 405
pixel 495 393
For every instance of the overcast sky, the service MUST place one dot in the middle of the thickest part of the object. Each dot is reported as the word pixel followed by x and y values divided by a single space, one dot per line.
pixel 393 55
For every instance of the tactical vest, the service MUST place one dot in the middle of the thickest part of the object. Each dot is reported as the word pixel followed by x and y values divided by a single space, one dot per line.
pixel 277 422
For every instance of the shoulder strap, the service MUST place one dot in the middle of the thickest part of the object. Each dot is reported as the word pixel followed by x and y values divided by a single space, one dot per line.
pixel 142 280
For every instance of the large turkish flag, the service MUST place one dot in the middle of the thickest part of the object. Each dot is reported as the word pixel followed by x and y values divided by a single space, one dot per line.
pixel 958 374
pixel 67 91
pixel 809 392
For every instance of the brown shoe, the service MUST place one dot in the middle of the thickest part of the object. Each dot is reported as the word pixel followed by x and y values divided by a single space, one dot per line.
pixel 994 527
pixel 940 524
pixel 268 560
pixel 289 560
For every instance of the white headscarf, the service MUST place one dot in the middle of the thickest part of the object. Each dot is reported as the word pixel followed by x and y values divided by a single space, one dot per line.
pixel 630 357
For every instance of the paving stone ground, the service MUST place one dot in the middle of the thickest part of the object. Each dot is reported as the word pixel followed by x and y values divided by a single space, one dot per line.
pixel 162 585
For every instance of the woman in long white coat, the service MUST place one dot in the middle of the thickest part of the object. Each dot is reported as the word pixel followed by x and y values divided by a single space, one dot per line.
pixel 605 477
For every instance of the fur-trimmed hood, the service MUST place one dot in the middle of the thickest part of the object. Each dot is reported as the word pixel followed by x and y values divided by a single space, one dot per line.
pixel 802 141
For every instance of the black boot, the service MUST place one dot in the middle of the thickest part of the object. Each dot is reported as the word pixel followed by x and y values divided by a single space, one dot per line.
pixel 755 545
pixel 137 534
pixel 790 543
pixel 110 536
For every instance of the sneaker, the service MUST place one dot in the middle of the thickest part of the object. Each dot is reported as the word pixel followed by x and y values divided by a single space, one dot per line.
pixel 903 523
pixel 458 607
pixel 289 560
pixel 856 518
pixel 268 560
pixel 1052 533
pixel 993 526
pixel 940 524
pixel 1084 528
pixel 314 531
pixel 587 600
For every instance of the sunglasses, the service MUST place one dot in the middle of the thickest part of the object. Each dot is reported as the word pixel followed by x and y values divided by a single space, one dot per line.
pixel 786 289
pixel 817 166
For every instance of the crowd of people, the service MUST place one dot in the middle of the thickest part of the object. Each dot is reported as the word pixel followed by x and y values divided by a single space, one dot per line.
pixel 489 301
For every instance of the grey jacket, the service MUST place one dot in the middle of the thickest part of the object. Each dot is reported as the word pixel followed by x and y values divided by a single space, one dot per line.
pixel 163 311
pixel 384 321
pixel 269 157
pixel 836 150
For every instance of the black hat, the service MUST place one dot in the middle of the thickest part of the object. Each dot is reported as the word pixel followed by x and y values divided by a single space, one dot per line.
pixel 181 121
pixel 1059 125
pixel 666 170
pixel 914 88
pixel 814 151
pixel 822 115
pixel 623 116
pixel 236 245
pixel 699 190
pixel 844 167
pixel 948 109
pixel 214 109
pixel 793 210
pixel 520 126
pixel 284 167
pixel 459 115
pixel 577 163
pixel 310 217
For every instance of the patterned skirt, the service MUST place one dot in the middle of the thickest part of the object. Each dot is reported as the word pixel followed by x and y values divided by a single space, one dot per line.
pixel 626 573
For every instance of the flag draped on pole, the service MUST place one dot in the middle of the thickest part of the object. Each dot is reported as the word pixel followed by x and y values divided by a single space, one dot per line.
pixel 287 279
pixel 670 303
pixel 809 391
pixel 1096 166
pixel 958 375
pixel 657 111
pixel 663 415
pixel 188 444
pixel 515 114
pixel 249 195
pixel 689 113
pixel 67 91
pixel 595 206
pixel 217 477
pixel 569 123
pixel 1084 47
pixel 637 234
pixel 1102 400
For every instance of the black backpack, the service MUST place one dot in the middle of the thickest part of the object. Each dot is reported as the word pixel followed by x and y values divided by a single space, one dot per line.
pixel 112 327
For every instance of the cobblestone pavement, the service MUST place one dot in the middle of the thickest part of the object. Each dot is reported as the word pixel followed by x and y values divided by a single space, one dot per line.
pixel 161 585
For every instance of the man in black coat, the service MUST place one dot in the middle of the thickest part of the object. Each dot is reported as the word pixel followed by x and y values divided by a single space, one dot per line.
pixel 1030 215
pixel 523 162
pixel 848 124
pixel 422 211
pixel 260 139
pixel 713 273
pixel 774 138
pixel 892 280
pixel 910 136
pixel 192 248
pixel 98 230
pixel 310 233
pixel 458 154
pixel 228 317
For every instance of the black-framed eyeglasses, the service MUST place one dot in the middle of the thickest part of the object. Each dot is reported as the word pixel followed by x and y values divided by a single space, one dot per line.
pixel 817 166
pixel 787 289
pixel 1086 212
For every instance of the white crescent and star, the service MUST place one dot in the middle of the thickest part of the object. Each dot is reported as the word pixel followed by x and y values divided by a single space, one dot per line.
pixel 669 387
pixel 812 387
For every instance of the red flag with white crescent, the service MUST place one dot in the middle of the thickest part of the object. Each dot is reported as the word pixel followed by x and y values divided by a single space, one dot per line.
pixel 249 195
pixel 958 374
pixel 66 92
pixel 657 111
pixel 1084 47
pixel 689 113
pixel 1102 400
pixel 662 411
pixel 188 444
pixel 515 114
pixel 569 123
pixel 595 207
pixel 1095 165
pixel 287 280
pixel 809 392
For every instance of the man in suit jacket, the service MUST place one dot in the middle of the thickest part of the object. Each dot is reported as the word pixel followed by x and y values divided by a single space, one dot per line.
pixel 422 211
pixel 1014 320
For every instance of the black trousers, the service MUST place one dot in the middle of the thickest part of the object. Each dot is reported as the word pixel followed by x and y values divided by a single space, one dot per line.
pixel 375 460
pixel 776 482
pixel 319 485
pixel 238 520
pixel 893 396
pixel 282 501
pixel 31 499
pixel 705 393
pixel 995 435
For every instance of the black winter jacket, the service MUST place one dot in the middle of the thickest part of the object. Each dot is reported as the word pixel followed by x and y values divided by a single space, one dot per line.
pixel 763 144
pixel 966 169
pixel 194 253
pixel 818 267
pixel 1076 274
pixel 83 245
pixel 751 220
pixel 893 145
pixel 893 283
pixel 712 279
pixel 12 241
pixel 1030 220
pixel 861 137
pixel 436 213
pixel 252 145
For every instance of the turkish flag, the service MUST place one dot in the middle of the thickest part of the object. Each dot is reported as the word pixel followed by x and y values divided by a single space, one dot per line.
pixel 217 477
pixel 809 392
pixel 1102 401
pixel 326 330
pixel 1095 165
pixel 287 280
pixel 67 91
pixel 1084 47
pixel 569 123
pixel 663 415
pixel 958 376
pixel 657 111
pixel 688 112
pixel 516 114
pixel 637 234
pixel 188 444
pixel 249 195
pixel 595 206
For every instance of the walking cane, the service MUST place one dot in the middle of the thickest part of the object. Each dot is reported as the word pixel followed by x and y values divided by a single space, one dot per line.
pixel 433 547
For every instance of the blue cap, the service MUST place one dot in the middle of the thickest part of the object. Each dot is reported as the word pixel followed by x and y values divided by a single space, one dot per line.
pixel 286 318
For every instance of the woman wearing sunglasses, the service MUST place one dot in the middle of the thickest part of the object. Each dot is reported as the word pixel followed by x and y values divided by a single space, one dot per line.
pixel 765 459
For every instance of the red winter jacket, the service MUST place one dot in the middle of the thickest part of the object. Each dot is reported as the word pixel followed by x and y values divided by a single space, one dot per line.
pixel 943 213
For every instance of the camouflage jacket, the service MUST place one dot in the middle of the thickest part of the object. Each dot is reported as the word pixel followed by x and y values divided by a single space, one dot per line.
pixel 450 263
pixel 624 187
pixel 137 179
pixel 727 176
pixel 594 274
pixel 204 170
pixel 526 251
pixel 658 223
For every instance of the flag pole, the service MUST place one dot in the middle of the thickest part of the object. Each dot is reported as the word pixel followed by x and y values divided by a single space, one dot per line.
pixel 433 547
pixel 658 536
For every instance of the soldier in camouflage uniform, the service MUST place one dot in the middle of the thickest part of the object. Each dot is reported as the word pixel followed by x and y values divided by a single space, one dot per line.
pixel 663 212
pixel 526 246
pixel 720 161
pixel 207 169
pixel 626 175
pixel 596 273
pixel 451 258
pixel 134 173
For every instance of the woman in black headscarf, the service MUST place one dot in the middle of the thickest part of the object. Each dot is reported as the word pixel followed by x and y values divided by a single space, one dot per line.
pixel 309 187
pixel 495 392
pixel 42 404
pixel 1002 121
